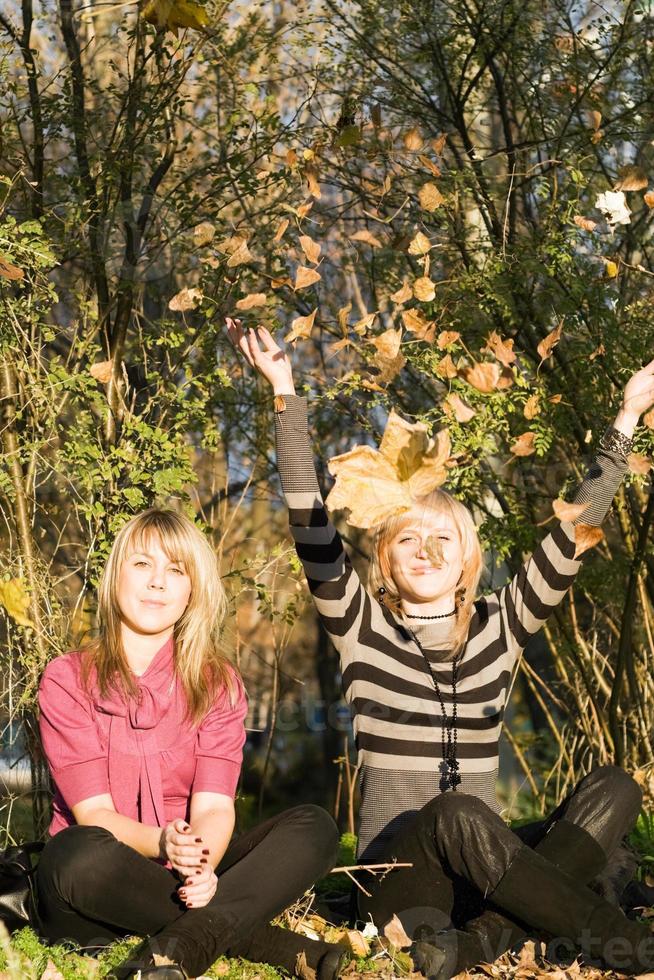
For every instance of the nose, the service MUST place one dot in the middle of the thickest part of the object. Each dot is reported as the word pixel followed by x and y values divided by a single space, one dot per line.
pixel 157 580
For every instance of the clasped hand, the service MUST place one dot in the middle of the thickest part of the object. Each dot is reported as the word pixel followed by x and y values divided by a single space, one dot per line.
pixel 189 857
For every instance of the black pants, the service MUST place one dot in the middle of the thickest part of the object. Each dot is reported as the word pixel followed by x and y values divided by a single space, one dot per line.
pixel 93 889
pixel 460 849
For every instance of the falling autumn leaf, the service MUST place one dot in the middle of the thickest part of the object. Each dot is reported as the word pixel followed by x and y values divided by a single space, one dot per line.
pixel 586 224
pixel 203 233
pixel 524 444
pixel 438 144
pixel 639 464
pixel 240 256
pixel 595 119
pixel 548 343
pixel 568 512
pixel 102 371
pixel 251 301
pixel 502 349
pixel 15 599
pixel 281 228
pixel 631 178
pixel 648 198
pixel 414 321
pixel 532 407
pixel 586 536
pixel 424 289
pixel 313 185
pixel 185 299
pixel 482 376
pixel 446 368
pixel 453 405
pixel 648 419
pixel 366 237
pixel 419 245
pixel 301 327
pixel 611 268
pixel 430 197
pixel 364 323
pixel 388 359
pixel 342 315
pixel 374 485
pixel 430 165
pixel 170 15
pixel 310 248
pixel 305 277
pixel 412 140
pixel 10 271
pixel 403 294
pixel 447 337
pixel 396 935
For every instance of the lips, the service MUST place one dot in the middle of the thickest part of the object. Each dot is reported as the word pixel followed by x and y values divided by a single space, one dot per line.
pixel 153 603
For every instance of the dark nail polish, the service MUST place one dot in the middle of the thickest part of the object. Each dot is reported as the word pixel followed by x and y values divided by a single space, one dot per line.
pixel 189 905
pixel 198 840
pixel 205 851
pixel 203 861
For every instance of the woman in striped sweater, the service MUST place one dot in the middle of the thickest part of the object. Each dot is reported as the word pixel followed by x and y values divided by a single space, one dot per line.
pixel 426 666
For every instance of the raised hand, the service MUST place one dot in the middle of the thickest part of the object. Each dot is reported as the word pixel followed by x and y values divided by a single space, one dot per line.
pixel 638 395
pixel 261 351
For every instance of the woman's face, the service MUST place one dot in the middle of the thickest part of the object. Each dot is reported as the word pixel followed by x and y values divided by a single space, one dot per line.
pixel 426 557
pixel 153 591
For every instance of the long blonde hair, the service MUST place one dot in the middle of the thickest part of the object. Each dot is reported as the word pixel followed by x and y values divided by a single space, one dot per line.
pixel 439 502
pixel 199 664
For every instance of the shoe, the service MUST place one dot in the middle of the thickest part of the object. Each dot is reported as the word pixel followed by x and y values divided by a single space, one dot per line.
pixel 282 947
pixel 160 973
pixel 332 964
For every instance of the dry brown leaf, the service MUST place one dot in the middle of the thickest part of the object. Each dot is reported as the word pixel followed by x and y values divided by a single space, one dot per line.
pixel 506 379
pixel 598 352
pixel 502 349
pixel 424 289
pixel 418 324
pixel 430 165
pixel 305 277
pixel 595 119
pixel 586 536
pixel 339 345
pixel 565 511
pixel 51 972
pixel 240 256
pixel 527 957
pixel 648 198
pixel 447 337
pixel 278 283
pixel 304 209
pixel 639 464
pixel 430 197
pixel 387 344
pixel 365 323
pixel 185 299
pixel 366 237
pixel 102 371
pixel 395 933
pixel 342 315
pixel 279 403
pixel 10 271
pixel 281 228
pixel 203 233
pixel 302 968
pixel 547 345
pixel 301 327
pixel 648 419
pixel 555 399
pixel 419 245
pixel 291 158
pixel 313 185
pixel 482 376
pixel 524 444
pixel 403 294
pixel 310 248
pixel 587 224
pixel 412 140
pixel 453 405
pixel 358 944
pixel 446 368
pixel 438 145
pixel 532 407
pixel 631 178
pixel 252 300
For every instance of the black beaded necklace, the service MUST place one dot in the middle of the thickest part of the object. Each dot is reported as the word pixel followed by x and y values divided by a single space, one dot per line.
pixel 450 778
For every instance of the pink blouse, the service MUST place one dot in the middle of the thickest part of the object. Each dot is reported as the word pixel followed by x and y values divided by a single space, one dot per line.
pixel 144 752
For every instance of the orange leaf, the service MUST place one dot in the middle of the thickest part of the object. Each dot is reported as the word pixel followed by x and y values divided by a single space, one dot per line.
pixel 568 512
pixel 555 399
pixel 595 119
pixel 366 237
pixel 185 299
pixel 310 248
pixel 343 316
pixel 102 371
pixel 453 405
pixel 281 228
pixel 419 245
pixel 394 932
pixel 305 277
pixel 648 198
pixel 313 185
pixel 430 165
pixel 446 368
pixel 412 140
pixel 482 376
pixel 586 536
pixel 430 197
pixel 304 209
pixel 502 349
pixel 532 407
pixel 301 326
pixel 438 144
pixel 388 343
pixel 403 294
pixel 424 289
pixel 585 223
pixel 639 464
pixel 547 345
pixel 8 270
pixel 648 419
pixel 447 337
pixel 631 178
pixel 364 323
pixel 414 321
pixel 251 300
pixel 524 444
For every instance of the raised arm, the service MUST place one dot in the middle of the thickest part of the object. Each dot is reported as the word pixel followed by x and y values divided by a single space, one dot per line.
pixel 336 589
pixel 542 581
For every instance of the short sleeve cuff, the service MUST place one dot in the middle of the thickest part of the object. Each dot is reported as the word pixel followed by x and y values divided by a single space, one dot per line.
pixel 82 781
pixel 216 776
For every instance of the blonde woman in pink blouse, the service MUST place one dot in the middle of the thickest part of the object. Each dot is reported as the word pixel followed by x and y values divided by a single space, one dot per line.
pixel 143 732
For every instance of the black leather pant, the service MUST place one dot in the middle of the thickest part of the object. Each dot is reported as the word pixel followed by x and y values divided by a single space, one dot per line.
pixel 93 889
pixel 460 849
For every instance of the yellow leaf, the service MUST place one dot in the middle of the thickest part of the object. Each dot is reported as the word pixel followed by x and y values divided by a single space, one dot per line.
pixel 102 371
pixel 532 407
pixel 611 268
pixel 648 198
pixel 173 14
pixel 524 444
pixel 251 300
pixel 424 289
pixel 586 536
pixel 281 228
pixel 301 326
pixel 447 337
pixel 394 932
pixel 306 277
pixel 446 368
pixel 414 321
pixel 185 299
pixel 430 165
pixel 419 245
pixel 568 512
pixel 430 197
pixel 547 345
pixel 8 270
pixel 366 237
pixel 586 224
pixel 482 376
pixel 631 178
pixel 15 599
pixel 203 233
pixel 364 323
pixel 412 140
pixel 310 248
pixel 403 294
pixel 639 464
pixel 453 405
pixel 502 349
pixel 343 314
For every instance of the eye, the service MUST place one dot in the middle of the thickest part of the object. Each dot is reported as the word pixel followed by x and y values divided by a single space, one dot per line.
pixel 408 537
pixel 178 571
pixel 140 562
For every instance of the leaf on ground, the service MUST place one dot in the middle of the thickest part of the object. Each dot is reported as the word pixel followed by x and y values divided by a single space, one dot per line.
pixel 102 371
pixel 430 197
pixel 631 178
pixel 586 536
pixel 548 343
pixel 367 238
pixel 447 337
pixel 500 348
pixel 310 248
pixel 527 957
pixel 524 444
pixel 396 934
pixel 185 299
pixel 10 271
pixel 252 300
pixel 419 244
pixel 532 407
pixel 453 405
pixel 482 376
pixel 424 289
pixel 358 944
pixel 567 511
pixel 301 327
pixel 639 464
pixel 51 972
pixel 305 277
pixel 203 233
pixel 15 599
pixel 302 968
pixel 403 294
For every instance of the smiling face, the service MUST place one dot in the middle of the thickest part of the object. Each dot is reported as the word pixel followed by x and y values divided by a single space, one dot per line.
pixel 153 590
pixel 425 557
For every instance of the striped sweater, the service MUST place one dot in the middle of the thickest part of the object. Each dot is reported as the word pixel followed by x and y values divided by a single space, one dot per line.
pixel 396 713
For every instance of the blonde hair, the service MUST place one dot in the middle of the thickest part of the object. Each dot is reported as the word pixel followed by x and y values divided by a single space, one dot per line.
pixel 439 502
pixel 201 668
